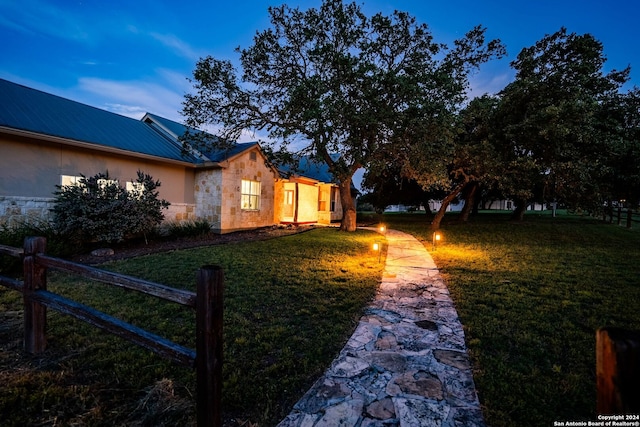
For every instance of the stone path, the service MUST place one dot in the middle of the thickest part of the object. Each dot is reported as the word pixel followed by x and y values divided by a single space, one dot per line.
pixel 406 363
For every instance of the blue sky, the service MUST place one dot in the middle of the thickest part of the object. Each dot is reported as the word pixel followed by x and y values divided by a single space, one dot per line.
pixel 130 57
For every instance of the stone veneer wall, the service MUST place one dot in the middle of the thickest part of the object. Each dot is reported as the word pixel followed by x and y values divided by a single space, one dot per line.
pixel 233 216
pixel 178 212
pixel 16 210
pixel 208 196
pixel 217 194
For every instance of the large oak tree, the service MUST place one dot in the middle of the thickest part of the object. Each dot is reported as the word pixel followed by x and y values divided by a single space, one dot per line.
pixel 555 121
pixel 334 81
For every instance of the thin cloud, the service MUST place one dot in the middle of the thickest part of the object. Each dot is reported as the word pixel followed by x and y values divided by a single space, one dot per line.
pixel 36 17
pixel 133 98
pixel 174 79
pixel 178 46
pixel 133 111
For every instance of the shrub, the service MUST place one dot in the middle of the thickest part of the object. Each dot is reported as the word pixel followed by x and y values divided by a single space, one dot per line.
pixel 98 209
pixel 14 236
pixel 191 228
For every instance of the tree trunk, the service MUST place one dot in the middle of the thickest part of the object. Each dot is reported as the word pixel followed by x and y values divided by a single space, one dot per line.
pixel 348 222
pixel 427 208
pixel 518 213
pixel 469 201
pixel 435 224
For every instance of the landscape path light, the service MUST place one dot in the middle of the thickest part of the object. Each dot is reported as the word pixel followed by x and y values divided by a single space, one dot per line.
pixel 377 247
pixel 437 236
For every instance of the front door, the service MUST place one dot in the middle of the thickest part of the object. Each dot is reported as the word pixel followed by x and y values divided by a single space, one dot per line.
pixel 288 203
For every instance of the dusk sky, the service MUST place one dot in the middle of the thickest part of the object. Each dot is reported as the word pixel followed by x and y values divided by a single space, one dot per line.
pixel 130 57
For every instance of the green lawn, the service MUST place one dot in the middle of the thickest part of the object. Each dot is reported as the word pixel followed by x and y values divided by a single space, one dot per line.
pixel 531 296
pixel 290 305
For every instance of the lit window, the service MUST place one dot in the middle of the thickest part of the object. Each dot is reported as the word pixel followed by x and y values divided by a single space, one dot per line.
pixel 135 188
pixel 323 195
pixel 104 182
pixel 250 195
pixel 69 180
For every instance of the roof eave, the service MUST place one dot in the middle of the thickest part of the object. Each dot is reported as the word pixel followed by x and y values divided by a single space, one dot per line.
pixel 303 179
pixel 212 165
pixel 90 146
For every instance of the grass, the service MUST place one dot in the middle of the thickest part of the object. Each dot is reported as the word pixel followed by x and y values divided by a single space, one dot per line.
pixel 531 296
pixel 290 305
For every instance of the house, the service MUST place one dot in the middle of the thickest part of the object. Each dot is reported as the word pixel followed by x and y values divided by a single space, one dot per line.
pixel 46 140
pixel 309 196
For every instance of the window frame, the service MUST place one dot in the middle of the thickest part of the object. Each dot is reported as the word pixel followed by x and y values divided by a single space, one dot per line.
pixel 323 194
pixel 135 188
pixel 250 192
pixel 72 180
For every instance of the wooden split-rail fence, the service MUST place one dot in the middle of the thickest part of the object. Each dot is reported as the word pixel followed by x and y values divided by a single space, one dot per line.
pixel 207 301
pixel 620 216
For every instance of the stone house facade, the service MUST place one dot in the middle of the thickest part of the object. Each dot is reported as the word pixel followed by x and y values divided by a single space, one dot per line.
pixel 47 141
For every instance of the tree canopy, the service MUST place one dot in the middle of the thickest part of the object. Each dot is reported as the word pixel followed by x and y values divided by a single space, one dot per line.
pixel 332 80
pixel 382 94
pixel 563 131
pixel 555 120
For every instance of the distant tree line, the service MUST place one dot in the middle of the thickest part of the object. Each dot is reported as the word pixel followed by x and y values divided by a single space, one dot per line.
pixel 388 98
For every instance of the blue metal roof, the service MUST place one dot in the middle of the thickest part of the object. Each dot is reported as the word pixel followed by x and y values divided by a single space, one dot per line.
pixel 214 154
pixel 310 168
pixel 176 129
pixel 35 111
pixel 31 110
pixel 314 169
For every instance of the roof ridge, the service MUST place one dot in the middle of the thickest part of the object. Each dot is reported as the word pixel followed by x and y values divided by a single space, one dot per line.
pixel 63 99
pixel 33 110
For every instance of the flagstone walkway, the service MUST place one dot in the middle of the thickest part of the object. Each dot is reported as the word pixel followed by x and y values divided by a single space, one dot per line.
pixel 406 363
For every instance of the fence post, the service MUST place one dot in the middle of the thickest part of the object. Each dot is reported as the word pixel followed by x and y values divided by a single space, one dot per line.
pixel 618 371
pixel 35 314
pixel 209 310
pixel 610 213
pixel 619 214
pixel 629 217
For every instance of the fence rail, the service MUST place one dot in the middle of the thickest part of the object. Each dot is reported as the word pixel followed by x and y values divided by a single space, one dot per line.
pixel 207 301
pixel 154 289
pixel 620 215
pixel 11 251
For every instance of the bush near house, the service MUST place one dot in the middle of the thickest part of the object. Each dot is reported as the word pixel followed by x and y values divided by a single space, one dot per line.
pixel 14 236
pixel 98 209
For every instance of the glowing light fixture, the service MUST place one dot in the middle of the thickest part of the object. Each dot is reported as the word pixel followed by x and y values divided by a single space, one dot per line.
pixel 382 229
pixel 377 247
pixel 437 237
